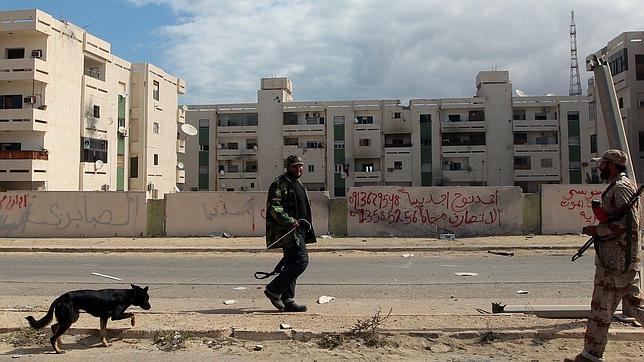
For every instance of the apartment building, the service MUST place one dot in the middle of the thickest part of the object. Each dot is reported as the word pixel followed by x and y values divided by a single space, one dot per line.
pixel 492 138
pixel 625 57
pixel 76 117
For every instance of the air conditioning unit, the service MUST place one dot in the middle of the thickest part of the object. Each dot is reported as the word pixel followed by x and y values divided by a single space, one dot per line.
pixel 30 100
pixel 36 53
pixel 105 187
pixel 316 115
pixel 390 169
pixel 86 144
pixel 244 188
pixel 150 186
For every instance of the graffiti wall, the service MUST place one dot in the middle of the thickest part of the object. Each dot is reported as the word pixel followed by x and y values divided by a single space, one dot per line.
pixel 238 213
pixel 72 214
pixel 425 211
pixel 566 209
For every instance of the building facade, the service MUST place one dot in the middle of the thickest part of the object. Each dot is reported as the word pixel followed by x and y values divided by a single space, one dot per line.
pixel 625 57
pixel 492 138
pixel 69 108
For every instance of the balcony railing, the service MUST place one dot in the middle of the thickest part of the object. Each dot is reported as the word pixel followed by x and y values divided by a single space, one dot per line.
pixel 24 155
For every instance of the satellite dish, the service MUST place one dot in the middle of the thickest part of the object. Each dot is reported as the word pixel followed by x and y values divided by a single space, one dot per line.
pixel 355 121
pixel 189 129
pixel 98 164
pixel 180 165
pixel 122 130
pixel 184 107
pixel 343 175
pixel 222 172
pixel 520 93
pixel 255 148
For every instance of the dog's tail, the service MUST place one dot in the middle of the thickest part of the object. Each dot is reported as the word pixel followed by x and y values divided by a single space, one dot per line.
pixel 37 324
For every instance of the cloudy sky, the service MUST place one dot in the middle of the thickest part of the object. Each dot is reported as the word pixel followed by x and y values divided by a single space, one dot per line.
pixel 351 49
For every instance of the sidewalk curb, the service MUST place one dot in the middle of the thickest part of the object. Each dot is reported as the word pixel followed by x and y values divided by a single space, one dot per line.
pixel 385 249
pixel 305 335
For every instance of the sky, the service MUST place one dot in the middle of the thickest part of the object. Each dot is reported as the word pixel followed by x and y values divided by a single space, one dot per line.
pixel 350 49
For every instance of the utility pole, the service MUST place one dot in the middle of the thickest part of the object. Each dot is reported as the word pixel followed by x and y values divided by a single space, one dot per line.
pixel 575 83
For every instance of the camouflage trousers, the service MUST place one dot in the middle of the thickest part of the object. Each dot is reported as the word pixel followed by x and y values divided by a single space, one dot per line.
pixel 609 290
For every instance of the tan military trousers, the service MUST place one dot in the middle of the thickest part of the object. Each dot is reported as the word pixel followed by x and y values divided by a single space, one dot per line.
pixel 609 290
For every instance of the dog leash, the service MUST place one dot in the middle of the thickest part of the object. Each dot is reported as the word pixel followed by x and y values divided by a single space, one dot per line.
pixel 308 227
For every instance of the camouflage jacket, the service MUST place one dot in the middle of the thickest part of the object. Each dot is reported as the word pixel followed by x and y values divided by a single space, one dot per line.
pixel 618 250
pixel 281 213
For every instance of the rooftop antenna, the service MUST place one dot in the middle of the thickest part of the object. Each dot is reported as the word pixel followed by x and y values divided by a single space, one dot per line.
pixel 575 83
pixel 88 25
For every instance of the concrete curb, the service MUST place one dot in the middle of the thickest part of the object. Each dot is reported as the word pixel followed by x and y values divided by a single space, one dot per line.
pixel 634 334
pixel 63 249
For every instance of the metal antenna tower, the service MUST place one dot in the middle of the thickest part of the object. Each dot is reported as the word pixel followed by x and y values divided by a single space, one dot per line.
pixel 575 83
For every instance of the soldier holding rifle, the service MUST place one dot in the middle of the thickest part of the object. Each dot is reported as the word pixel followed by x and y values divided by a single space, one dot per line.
pixel 617 260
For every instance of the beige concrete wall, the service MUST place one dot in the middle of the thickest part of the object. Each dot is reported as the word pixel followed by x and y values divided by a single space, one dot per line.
pixel 238 213
pixel 425 211
pixel 566 209
pixel 72 214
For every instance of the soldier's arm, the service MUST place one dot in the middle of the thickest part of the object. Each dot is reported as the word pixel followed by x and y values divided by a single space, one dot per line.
pixel 622 194
pixel 274 206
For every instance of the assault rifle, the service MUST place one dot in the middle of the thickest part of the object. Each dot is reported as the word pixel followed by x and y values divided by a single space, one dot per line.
pixel 618 216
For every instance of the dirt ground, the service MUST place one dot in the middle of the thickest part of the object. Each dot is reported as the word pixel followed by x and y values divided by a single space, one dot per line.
pixel 21 345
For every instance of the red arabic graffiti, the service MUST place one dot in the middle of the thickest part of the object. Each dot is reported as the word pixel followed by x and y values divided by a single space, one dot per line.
pixel 400 207
pixel 8 202
pixel 579 202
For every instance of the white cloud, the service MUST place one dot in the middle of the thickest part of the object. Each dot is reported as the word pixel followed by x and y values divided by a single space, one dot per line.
pixel 359 49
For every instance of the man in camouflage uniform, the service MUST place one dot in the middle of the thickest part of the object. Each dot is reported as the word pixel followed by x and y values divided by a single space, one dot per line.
pixel 288 226
pixel 617 262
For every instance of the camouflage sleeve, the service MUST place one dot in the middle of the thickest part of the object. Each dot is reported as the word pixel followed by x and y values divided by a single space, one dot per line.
pixel 621 193
pixel 275 208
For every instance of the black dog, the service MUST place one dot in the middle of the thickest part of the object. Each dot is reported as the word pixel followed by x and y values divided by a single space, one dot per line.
pixel 104 304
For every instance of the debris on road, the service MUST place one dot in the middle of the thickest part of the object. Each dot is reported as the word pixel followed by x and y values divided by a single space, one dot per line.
pixel 545 311
pixel 407 255
pixel 466 274
pixel 230 301
pixel 285 326
pixel 258 347
pixel 522 292
pixel 106 276
pixel 326 236
pixel 325 299
pixel 226 235
pixel 240 288
pixel 446 237
pixel 501 252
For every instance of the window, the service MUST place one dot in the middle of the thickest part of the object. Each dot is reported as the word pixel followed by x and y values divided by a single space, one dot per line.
pixel 155 90
pixel 396 115
pixel 11 101
pixel 251 144
pixel 573 116
pixel 541 140
pixel 204 148
pixel 364 142
pixel 367 167
pixel 620 102
pixel 476 116
pixel 313 144
pixel 15 53
pixel 155 127
pixel 338 145
pixel 290 141
pixel 204 123
pixel 397 165
pixel 251 166
pixel 541 116
pixel 290 118
pixel 522 163
pixel 618 62
pixel 338 119
pixel 97 112
pixel 156 159
pixel 338 167
pixel 518 115
pixel 454 117
pixel 134 167
pixel 546 163
pixel 233 168
pixel 425 118
pixel 639 66
pixel 232 146
pixel 311 168
pixel 93 149
pixel 520 138
pixel 593 143
pixel 364 120
pixel 10 146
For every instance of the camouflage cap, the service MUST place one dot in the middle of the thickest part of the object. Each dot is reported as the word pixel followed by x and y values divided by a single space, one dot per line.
pixel 618 157
pixel 294 160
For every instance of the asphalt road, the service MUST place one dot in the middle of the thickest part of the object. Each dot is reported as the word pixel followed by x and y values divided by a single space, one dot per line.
pixel 350 274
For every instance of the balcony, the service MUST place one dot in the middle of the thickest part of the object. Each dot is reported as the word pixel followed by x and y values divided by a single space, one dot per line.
pixel 373 176
pixel 95 84
pixel 537 175
pixel 24 119
pixel 181 146
pixel 236 131
pixel 535 148
pixel 303 130
pixel 181 176
pixel 463 126
pixel 535 125
pixel 24 69
pixel 305 153
pixel 462 175
pixel 462 150
pixel 23 166
pixel 29 21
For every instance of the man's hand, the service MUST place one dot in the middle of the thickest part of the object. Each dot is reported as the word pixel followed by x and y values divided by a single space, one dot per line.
pixel 296 224
pixel 590 230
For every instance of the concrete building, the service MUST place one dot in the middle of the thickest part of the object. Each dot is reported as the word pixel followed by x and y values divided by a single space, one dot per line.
pixel 492 139
pixel 75 117
pixel 625 56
